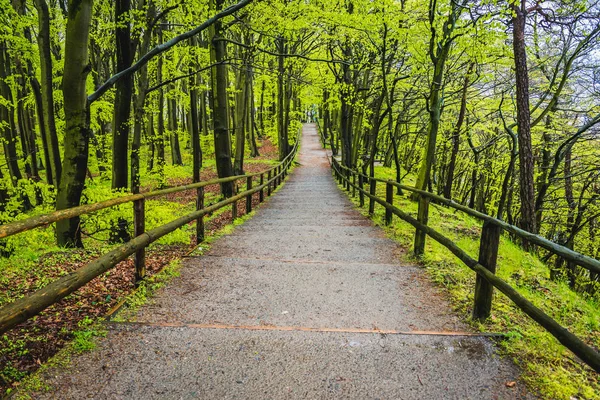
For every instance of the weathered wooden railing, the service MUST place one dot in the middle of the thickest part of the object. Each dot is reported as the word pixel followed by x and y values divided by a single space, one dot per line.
pixel 485 266
pixel 32 304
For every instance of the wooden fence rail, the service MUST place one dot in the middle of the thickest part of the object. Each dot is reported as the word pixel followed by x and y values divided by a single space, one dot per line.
pixel 584 261
pixel 486 265
pixel 24 308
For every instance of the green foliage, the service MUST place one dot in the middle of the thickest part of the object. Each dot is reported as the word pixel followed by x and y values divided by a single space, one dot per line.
pixel 84 338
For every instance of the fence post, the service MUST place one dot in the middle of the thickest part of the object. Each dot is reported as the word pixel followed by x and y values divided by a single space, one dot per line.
pixel 139 221
pixel 279 180
pixel 422 217
pixel 261 194
pixel 372 191
pixel 488 256
pixel 269 183
pixel 389 198
pixel 249 197
pixel 354 184
pixel 347 181
pixel 361 195
pixel 200 220
pixel 234 204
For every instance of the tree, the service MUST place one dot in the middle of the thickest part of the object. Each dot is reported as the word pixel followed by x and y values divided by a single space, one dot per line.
pixel 77 119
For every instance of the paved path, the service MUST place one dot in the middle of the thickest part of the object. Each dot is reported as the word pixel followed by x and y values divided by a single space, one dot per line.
pixel 288 307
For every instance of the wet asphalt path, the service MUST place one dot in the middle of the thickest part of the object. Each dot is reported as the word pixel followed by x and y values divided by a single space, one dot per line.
pixel 293 305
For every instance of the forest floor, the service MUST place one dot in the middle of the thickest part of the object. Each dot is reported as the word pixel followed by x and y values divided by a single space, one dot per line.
pixel 26 347
pixel 307 299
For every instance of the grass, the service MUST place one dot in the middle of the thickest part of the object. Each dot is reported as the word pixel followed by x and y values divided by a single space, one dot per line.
pixel 548 368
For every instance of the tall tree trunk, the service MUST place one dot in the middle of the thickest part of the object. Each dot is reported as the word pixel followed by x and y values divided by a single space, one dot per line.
pixel 9 129
pixel 281 131
pixel 174 132
pixel 195 133
pixel 123 93
pixel 77 120
pixel 347 111
pixel 572 204
pixel 219 102
pixel 49 136
pixel 240 131
pixel 203 111
pixel 151 135
pixel 542 181
pixel 526 167
pixel 262 109
pixel 140 101
pixel 252 117
pixel 159 139
pixel 456 135
pixel 438 52
pixel 504 203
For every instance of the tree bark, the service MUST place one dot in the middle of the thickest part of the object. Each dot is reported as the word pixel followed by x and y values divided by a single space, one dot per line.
pixel 526 167
pixel 456 135
pixel 123 94
pixel 140 101
pixel 174 132
pixel 77 120
pixel 283 144
pixel 219 102
pixel 50 138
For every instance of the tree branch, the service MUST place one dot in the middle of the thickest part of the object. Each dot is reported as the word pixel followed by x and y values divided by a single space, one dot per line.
pixel 162 48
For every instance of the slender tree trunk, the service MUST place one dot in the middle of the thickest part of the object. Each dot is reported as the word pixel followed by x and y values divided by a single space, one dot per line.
pixel 542 181
pixel 508 177
pixel 526 167
pixel 174 132
pixel 262 109
pixel 124 91
pixel 159 139
pixel 347 112
pixel 219 102
pixel 140 101
pixel 240 131
pixel 281 88
pixel 203 111
pixel 49 138
pixel 9 129
pixel 456 135
pixel 77 120
pixel 435 112
pixel 151 135
pixel 438 52
pixel 572 205
pixel 252 116
pixel 195 133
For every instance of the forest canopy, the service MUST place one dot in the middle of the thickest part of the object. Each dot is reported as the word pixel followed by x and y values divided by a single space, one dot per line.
pixel 494 104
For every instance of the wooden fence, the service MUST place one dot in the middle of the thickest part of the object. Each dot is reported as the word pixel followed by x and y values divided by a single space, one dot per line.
pixel 485 266
pixel 32 304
